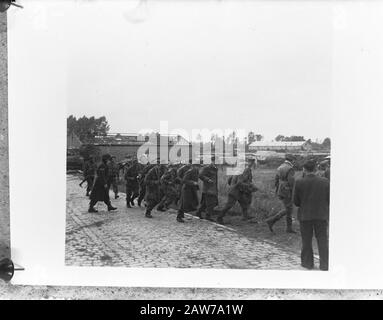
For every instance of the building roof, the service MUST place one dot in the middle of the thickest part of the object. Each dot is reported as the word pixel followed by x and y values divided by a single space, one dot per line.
pixel 119 139
pixel 277 144
pixel 133 139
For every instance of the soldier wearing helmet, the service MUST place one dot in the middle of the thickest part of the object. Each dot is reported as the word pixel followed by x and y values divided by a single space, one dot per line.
pixel 284 184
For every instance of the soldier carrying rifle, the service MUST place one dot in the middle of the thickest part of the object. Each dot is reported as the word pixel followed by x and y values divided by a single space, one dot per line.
pixel 241 190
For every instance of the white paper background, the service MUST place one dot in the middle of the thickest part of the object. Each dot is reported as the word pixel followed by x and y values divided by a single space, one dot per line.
pixel 37 125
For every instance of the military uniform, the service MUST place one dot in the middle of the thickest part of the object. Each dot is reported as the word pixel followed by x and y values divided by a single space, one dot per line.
pixel 180 175
pixel 241 190
pixel 169 191
pixel 284 183
pixel 141 182
pixel 114 172
pixel 132 187
pixel 100 191
pixel 189 196
pixel 89 173
pixel 209 200
pixel 153 193
pixel 324 170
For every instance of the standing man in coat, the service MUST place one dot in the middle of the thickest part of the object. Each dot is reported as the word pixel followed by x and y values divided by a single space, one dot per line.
pixel 241 190
pixel 180 175
pixel 284 184
pixel 100 191
pixel 189 196
pixel 209 177
pixel 312 197
pixel 131 180
pixel 114 172
pixel 89 173
pixel 153 192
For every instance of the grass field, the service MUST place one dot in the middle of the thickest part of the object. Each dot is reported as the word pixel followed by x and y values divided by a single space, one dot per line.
pixel 265 202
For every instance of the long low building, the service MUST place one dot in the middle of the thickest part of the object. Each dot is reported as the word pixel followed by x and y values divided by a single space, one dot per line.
pixel 283 146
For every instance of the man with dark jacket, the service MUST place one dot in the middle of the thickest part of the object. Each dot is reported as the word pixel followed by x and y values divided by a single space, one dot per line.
pixel 312 197
pixel 100 191
pixel 131 178
pixel 209 200
pixel 114 172
pixel 89 171
pixel 180 175
pixel 153 193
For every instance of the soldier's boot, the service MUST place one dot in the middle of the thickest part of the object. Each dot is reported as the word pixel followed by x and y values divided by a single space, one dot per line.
pixel 289 223
pixel 199 214
pixel 180 217
pixel 139 200
pixel 160 207
pixel 92 210
pixel 148 214
pixel 132 202
pixel 111 208
pixel 128 204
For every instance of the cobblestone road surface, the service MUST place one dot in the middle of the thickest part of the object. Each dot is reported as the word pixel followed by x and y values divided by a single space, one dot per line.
pixel 126 238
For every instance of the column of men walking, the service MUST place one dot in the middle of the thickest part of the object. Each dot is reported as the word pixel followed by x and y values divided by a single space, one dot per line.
pixel 163 185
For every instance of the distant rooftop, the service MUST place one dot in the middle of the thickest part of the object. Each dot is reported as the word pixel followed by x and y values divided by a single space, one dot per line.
pixel 282 144
pixel 133 138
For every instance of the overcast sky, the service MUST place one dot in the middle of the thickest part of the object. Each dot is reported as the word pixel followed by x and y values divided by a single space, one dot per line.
pixel 255 65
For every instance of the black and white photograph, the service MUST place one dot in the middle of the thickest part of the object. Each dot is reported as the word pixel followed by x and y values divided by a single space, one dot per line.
pixel 206 145
pixel 192 144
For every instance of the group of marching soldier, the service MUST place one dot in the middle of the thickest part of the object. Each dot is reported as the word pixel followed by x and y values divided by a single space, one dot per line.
pixel 164 185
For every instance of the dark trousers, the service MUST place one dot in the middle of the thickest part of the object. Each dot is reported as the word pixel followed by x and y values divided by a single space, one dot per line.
pixel 141 195
pixel 89 184
pixel 308 229
pixel 151 204
pixel 93 202
pixel 167 200
pixel 131 193
pixel 114 184
pixel 208 203
pixel 231 201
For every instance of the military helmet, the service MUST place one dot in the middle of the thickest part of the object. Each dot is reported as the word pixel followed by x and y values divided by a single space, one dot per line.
pixel 310 164
pixel 106 157
pixel 289 157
